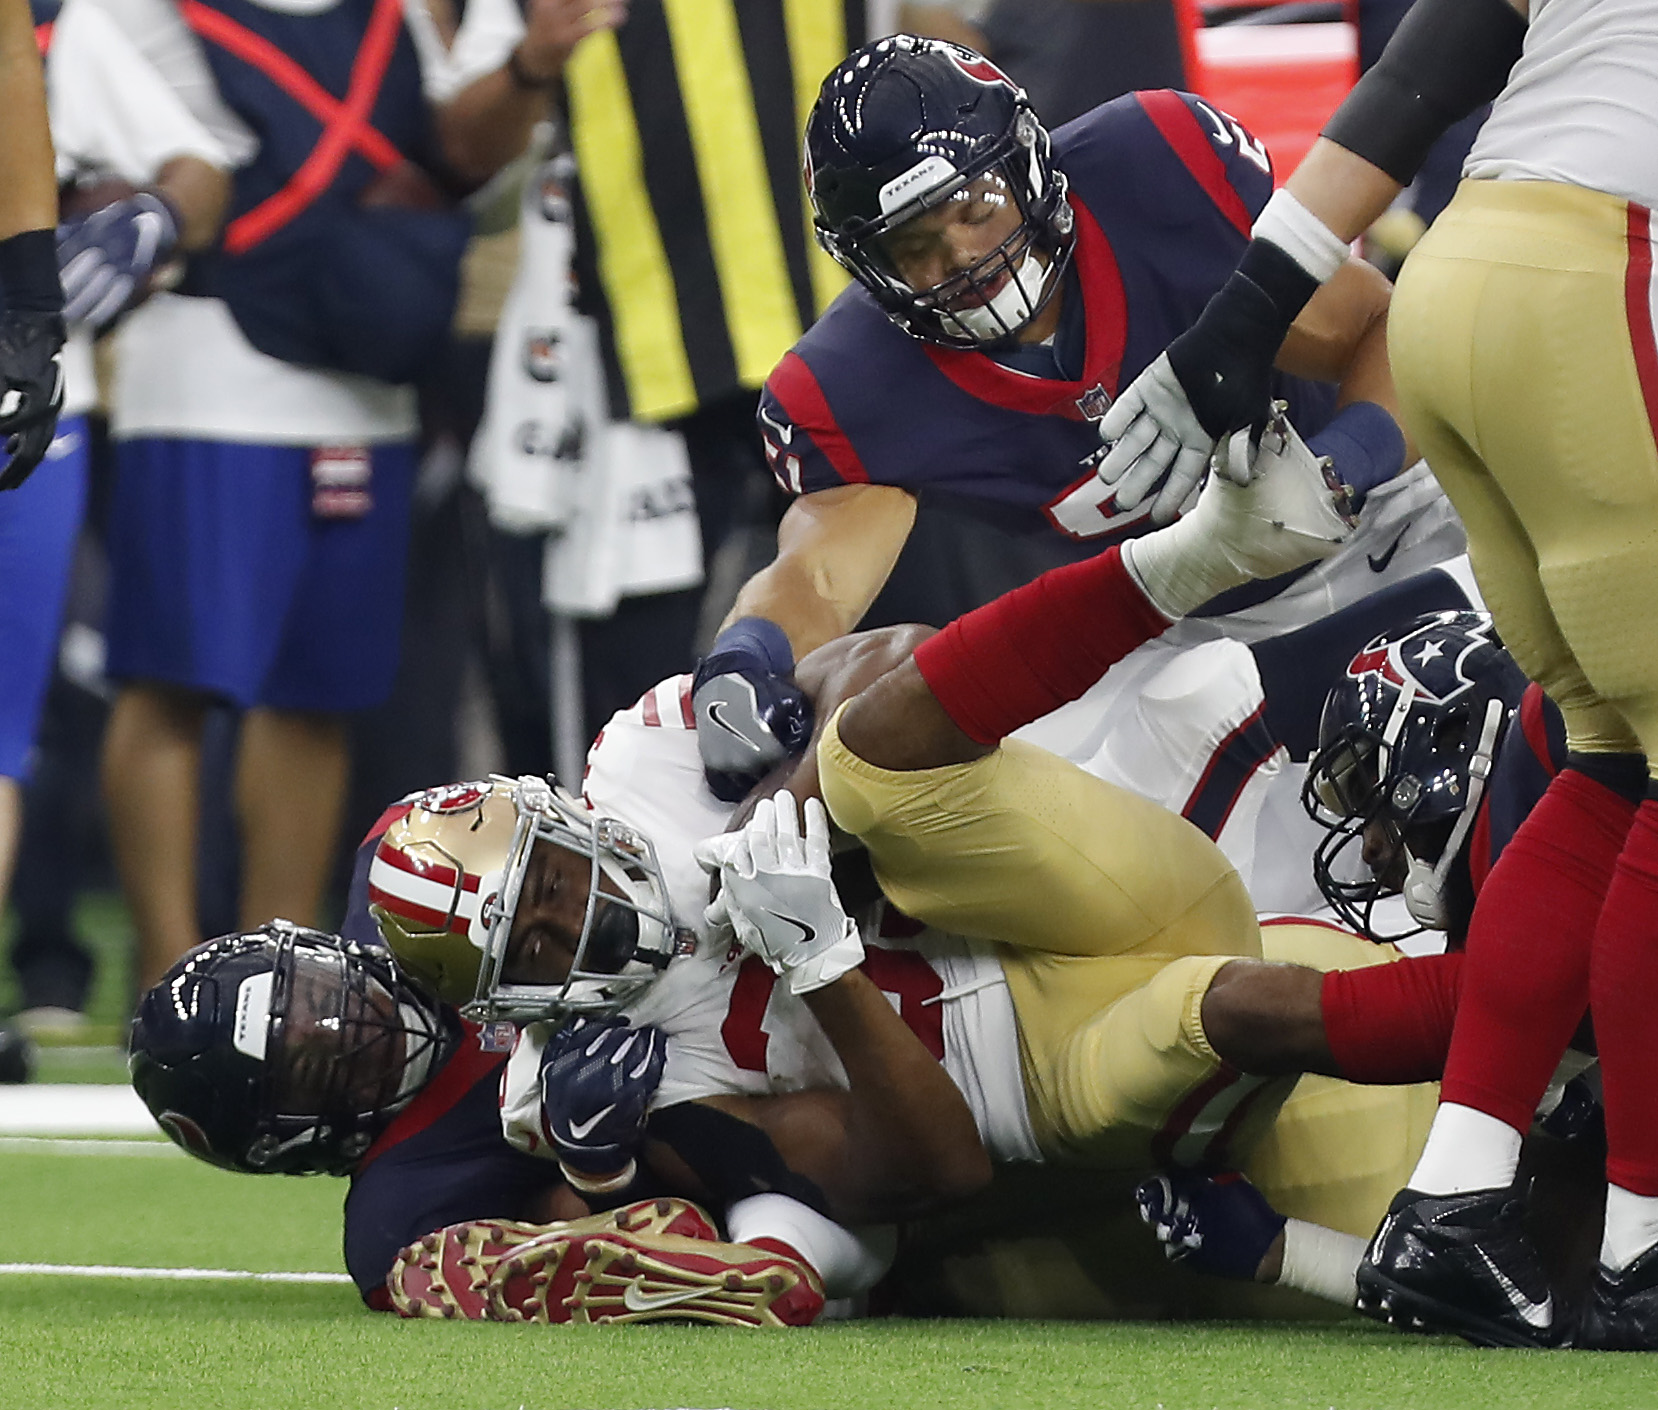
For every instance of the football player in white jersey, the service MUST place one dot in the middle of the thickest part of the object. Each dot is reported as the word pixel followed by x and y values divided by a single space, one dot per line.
pixel 1523 349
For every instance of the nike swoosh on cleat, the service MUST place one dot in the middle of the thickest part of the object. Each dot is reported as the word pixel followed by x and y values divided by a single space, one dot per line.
pixel 1538 1314
pixel 807 932
pixel 635 1299
pixel 582 1129
pixel 1379 565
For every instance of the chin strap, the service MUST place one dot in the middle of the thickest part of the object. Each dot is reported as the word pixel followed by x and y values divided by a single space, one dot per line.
pixel 1425 889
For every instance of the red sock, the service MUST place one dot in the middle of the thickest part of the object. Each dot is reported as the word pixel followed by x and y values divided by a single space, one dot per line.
pixel 1623 984
pixel 1038 647
pixel 1391 1024
pixel 1526 980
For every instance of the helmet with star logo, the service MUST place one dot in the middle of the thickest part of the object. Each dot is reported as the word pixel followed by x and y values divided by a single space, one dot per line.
pixel 1406 743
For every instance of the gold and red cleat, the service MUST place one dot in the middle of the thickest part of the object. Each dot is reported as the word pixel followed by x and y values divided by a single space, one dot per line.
pixel 447 1273
pixel 611 1276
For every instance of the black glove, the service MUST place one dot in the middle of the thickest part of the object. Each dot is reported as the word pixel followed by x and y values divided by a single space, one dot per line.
pixel 31 390
pixel 598 1076
pixel 750 715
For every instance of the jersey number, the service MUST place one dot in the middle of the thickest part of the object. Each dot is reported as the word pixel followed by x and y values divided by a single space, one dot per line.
pixel 904 976
pixel 1228 130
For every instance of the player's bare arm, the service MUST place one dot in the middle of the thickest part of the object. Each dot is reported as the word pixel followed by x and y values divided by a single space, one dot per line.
pixel 31 327
pixel 835 549
pixel 899 1142
pixel 28 186
pixel 200 194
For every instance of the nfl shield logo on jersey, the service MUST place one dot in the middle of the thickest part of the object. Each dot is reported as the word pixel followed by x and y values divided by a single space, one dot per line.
pixel 1095 402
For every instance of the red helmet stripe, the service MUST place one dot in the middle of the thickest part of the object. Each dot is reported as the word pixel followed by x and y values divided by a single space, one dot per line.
pixel 405 909
pixel 435 872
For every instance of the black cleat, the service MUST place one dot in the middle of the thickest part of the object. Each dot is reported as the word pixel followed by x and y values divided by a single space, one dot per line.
pixel 1622 1313
pixel 17 1055
pixel 1461 1264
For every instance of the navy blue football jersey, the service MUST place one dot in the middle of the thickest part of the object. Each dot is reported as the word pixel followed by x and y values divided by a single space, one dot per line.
pixel 1165 189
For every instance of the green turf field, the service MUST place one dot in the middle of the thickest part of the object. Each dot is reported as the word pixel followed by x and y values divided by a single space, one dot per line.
pixel 84 1342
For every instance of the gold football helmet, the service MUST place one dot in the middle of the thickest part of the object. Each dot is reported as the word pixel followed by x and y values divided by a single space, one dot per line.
pixel 444 885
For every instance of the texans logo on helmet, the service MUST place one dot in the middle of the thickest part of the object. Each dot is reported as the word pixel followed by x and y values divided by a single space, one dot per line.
pixel 975 66
pixel 1430 659
pixel 185 1132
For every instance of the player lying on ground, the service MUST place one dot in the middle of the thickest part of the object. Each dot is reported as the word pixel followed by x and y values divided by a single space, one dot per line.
pixel 284 1050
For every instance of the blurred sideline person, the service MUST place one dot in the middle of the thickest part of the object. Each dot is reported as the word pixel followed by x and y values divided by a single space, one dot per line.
pixel 1524 346
pixel 31 392
pixel 694 271
pixel 264 421
pixel 1008 284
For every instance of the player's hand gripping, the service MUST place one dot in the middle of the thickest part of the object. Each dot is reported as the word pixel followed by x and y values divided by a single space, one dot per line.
pixel 31 390
pixel 598 1076
pixel 1273 507
pixel 1218 1224
pixel 1215 378
pixel 750 715
pixel 777 895
pixel 106 259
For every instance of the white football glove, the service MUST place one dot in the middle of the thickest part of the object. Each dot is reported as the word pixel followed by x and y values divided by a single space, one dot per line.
pixel 1154 442
pixel 1272 506
pixel 777 896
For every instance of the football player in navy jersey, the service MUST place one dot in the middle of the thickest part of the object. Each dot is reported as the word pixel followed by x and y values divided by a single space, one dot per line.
pixel 1008 286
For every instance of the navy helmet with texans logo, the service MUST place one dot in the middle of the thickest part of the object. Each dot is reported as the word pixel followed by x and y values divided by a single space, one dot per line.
pixel 905 124
pixel 1407 741
pixel 283 1050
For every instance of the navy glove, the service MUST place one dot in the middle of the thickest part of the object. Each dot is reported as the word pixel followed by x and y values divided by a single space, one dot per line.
pixel 106 259
pixel 598 1076
pixel 1219 1224
pixel 750 715
pixel 31 390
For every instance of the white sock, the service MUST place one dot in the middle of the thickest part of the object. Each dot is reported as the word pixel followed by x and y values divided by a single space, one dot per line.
pixel 849 1261
pixel 1466 1150
pixel 1631 1227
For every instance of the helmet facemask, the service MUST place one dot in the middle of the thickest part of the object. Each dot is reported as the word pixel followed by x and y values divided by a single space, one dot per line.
pixel 346 1047
pixel 628 935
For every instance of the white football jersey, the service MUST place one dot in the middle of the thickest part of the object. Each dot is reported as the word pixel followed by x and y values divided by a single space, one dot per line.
pixel 732 1028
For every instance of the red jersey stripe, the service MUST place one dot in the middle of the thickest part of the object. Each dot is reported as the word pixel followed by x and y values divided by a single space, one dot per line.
pixel 1637 292
pixel 686 713
pixel 797 390
pixel 1183 132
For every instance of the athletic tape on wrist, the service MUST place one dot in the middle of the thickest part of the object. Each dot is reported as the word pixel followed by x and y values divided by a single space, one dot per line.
pixel 587 1185
pixel 1321 1261
pixel 1301 235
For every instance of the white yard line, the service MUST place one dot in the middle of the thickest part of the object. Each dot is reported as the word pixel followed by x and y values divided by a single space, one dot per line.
pixel 73 1109
pixel 90 1145
pixel 105 1270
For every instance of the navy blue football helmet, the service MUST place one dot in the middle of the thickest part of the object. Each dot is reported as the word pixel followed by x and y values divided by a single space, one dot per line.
pixel 900 127
pixel 1406 743
pixel 283 1050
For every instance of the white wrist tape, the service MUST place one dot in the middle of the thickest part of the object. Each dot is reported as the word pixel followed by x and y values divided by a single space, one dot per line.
pixel 607 1185
pixel 1301 235
pixel 1321 1261
pixel 849 1261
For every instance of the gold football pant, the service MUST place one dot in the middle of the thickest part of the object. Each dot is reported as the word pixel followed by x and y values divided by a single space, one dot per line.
pixel 1114 916
pixel 1521 341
